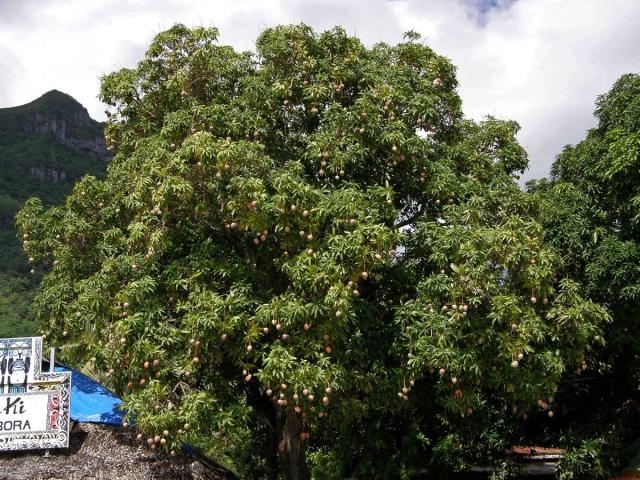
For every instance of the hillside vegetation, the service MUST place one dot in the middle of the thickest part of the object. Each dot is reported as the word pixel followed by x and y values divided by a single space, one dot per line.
pixel 45 147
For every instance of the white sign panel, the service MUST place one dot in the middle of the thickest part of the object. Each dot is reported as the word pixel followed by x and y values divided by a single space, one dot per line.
pixel 23 413
pixel 34 406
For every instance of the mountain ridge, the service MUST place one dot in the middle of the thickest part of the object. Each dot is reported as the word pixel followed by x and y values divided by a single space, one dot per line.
pixel 57 113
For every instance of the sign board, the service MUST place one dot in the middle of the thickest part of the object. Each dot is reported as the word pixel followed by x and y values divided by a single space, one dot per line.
pixel 34 406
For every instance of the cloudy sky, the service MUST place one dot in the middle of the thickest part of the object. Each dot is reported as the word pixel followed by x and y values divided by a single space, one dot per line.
pixel 540 62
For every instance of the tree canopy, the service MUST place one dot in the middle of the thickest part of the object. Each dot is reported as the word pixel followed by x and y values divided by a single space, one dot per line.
pixel 302 239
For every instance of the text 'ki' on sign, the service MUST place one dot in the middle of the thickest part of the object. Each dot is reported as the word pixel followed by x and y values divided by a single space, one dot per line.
pixel 34 405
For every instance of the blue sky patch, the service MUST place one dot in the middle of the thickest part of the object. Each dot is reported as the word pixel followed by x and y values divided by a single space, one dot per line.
pixel 480 9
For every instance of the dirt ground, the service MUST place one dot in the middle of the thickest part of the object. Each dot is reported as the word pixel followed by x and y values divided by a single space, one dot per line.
pixel 99 452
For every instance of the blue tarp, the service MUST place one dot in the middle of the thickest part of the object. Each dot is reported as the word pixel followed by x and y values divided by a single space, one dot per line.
pixel 90 401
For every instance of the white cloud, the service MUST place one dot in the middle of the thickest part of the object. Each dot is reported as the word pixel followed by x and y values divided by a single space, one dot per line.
pixel 540 62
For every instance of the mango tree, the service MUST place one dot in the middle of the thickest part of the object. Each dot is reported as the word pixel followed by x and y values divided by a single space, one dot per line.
pixel 299 234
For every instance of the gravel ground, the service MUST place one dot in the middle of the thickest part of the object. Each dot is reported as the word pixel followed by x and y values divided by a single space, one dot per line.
pixel 100 452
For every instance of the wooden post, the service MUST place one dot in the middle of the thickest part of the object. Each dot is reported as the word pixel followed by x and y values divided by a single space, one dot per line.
pixel 52 363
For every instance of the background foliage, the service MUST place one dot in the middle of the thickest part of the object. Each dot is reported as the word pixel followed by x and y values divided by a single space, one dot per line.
pixel 590 210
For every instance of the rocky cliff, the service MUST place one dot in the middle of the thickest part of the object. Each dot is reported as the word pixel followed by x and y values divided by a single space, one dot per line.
pixel 39 123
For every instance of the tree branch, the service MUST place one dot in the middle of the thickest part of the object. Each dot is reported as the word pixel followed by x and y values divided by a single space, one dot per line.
pixel 409 220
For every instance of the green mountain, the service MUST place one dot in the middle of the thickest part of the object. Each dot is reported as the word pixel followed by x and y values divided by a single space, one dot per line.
pixel 45 147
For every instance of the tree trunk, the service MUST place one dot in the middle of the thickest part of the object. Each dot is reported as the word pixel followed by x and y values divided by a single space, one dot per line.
pixel 290 448
pixel 267 412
